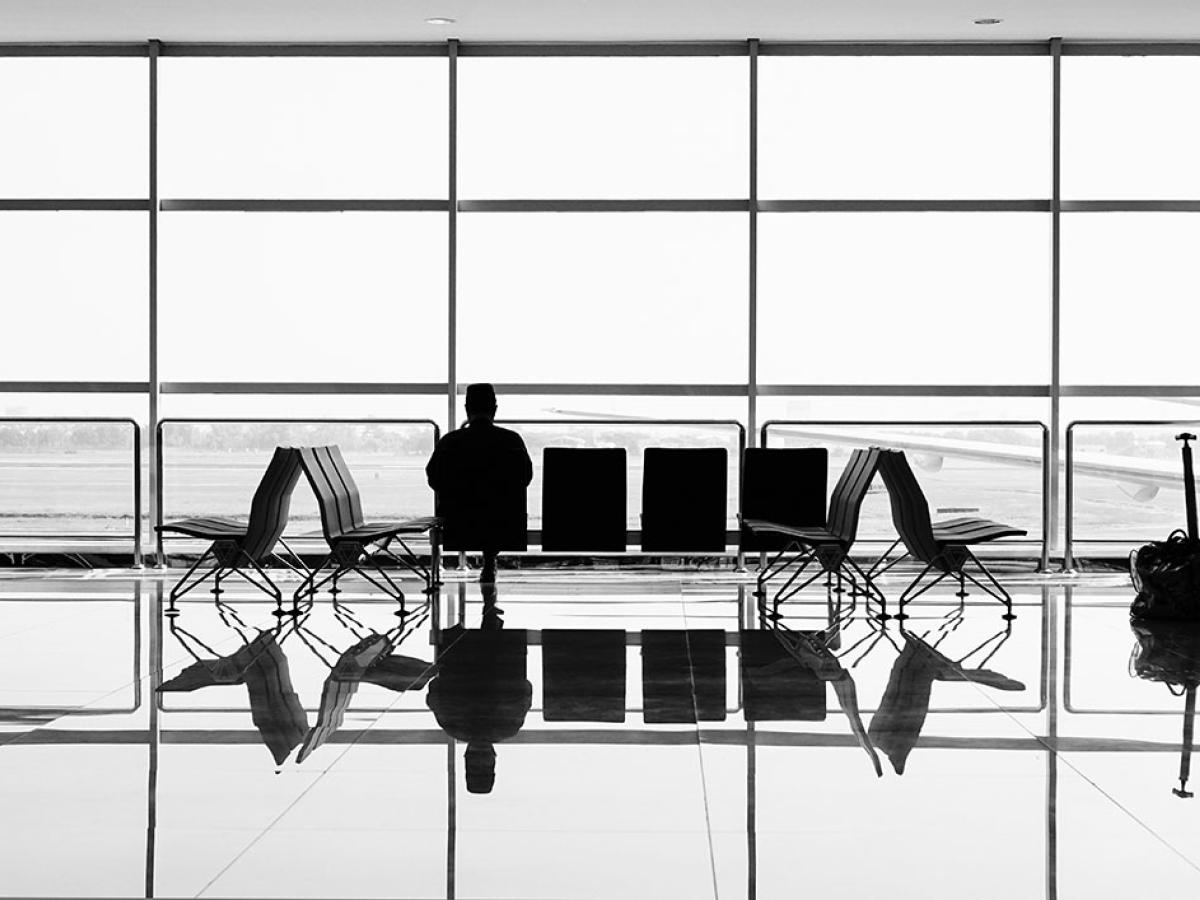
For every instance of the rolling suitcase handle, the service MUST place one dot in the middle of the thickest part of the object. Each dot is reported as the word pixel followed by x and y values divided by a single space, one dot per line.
pixel 1189 484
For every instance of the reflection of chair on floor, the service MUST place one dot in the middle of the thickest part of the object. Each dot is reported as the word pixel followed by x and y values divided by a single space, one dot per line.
pixel 827 547
pixel 896 725
pixel 583 675
pixel 943 547
pixel 371 660
pixel 354 543
pixel 261 666
pixel 238 547
pixel 806 654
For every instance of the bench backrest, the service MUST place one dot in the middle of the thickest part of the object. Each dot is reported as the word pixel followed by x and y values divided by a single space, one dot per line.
pixel 910 509
pixel 334 499
pixel 848 495
pixel 271 503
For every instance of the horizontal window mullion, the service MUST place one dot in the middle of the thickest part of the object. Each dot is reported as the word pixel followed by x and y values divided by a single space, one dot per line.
pixel 395 388
pixel 1130 205
pixel 74 387
pixel 903 390
pixel 304 205
pixel 249 48
pixel 904 48
pixel 573 205
pixel 75 49
pixel 1147 391
pixel 1130 48
pixel 785 206
pixel 618 389
pixel 603 48
pixel 73 205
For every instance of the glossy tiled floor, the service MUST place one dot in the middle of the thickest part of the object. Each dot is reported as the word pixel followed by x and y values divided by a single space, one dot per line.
pixel 651 738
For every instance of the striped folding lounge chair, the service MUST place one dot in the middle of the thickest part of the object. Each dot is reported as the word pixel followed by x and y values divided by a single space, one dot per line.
pixel 943 547
pixel 354 544
pixel 813 552
pixel 243 547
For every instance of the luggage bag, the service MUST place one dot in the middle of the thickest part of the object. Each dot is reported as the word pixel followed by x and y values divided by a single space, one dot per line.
pixel 1166 573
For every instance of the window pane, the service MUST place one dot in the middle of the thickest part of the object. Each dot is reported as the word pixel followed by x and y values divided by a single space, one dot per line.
pixel 303 128
pixel 303 297
pixel 916 298
pixel 75 288
pixel 1129 131
pixel 636 297
pixel 1129 283
pixel 67 478
pixel 916 127
pixel 536 128
pixel 74 127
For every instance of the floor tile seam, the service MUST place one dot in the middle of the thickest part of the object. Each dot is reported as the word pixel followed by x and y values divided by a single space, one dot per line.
pixel 144 681
pixel 708 829
pixel 1059 757
pixel 319 777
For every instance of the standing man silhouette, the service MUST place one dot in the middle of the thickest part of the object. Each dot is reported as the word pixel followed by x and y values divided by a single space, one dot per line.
pixel 479 473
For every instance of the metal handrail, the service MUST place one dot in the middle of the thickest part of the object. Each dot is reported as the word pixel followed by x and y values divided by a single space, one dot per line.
pixel 137 466
pixel 633 536
pixel 948 423
pixel 158 444
pixel 1069 484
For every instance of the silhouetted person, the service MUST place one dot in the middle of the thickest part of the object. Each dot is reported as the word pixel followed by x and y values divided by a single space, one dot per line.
pixel 481 695
pixel 479 473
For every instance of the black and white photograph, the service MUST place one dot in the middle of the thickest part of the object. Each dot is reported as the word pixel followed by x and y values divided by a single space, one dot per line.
pixel 461 450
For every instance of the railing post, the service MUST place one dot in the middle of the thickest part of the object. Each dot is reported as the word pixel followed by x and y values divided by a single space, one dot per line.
pixel 1069 523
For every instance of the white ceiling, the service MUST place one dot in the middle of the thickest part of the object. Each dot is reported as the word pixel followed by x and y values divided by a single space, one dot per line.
pixel 555 20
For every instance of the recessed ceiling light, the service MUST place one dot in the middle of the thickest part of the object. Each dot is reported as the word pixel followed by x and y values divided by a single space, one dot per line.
pixel 988 21
pixel 439 20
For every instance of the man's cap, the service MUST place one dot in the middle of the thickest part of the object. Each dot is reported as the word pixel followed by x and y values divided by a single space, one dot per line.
pixel 481 396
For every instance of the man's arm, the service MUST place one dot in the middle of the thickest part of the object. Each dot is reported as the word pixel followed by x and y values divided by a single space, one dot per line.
pixel 526 462
pixel 433 469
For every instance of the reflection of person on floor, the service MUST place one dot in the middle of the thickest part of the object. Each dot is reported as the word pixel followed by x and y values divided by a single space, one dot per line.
pixel 897 724
pixel 480 695
pixel 479 473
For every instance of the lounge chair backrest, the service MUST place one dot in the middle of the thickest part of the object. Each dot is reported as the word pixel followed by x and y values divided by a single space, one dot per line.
pixel 272 500
pixel 848 494
pixel 332 501
pixel 349 488
pixel 910 509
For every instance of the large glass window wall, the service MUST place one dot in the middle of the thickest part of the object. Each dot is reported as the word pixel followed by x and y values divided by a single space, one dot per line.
pixel 628 232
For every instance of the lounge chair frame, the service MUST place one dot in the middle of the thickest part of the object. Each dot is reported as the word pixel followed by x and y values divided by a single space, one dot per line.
pixel 354 545
pixel 827 548
pixel 241 548
pixel 943 547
